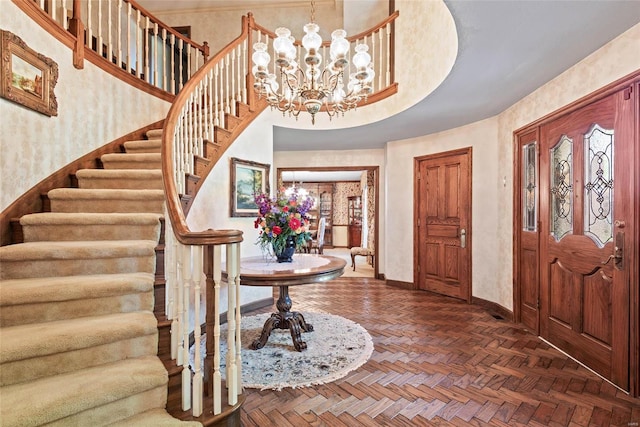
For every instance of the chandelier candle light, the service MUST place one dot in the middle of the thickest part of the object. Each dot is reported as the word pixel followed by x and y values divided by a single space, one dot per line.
pixel 314 87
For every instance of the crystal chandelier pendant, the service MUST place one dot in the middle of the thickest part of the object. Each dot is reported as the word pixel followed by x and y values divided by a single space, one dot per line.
pixel 314 87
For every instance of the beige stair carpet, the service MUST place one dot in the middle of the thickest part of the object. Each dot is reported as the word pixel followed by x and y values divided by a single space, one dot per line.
pixel 78 337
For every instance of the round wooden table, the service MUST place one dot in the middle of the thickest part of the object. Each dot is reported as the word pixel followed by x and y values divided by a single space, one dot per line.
pixel 305 269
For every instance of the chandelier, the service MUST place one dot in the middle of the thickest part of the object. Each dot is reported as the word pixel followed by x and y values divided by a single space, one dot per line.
pixel 314 87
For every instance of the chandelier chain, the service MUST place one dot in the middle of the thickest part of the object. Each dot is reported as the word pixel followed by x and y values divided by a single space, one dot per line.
pixel 313 11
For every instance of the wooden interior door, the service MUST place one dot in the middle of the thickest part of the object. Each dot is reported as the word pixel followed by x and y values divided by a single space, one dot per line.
pixel 586 207
pixel 443 226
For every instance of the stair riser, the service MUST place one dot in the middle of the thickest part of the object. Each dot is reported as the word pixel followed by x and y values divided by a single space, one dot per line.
pixel 124 164
pixel 56 364
pixel 51 311
pixel 72 232
pixel 143 146
pixel 75 267
pixel 118 410
pixel 120 184
pixel 105 414
pixel 107 206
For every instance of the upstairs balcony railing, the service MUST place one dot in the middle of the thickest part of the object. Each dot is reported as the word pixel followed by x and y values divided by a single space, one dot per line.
pixel 128 37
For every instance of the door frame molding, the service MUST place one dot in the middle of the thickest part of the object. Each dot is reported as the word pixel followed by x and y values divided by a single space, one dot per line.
pixel 631 81
pixel 376 200
pixel 416 196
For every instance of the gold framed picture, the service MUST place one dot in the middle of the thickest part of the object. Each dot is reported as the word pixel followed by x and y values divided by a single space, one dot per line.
pixel 247 179
pixel 26 76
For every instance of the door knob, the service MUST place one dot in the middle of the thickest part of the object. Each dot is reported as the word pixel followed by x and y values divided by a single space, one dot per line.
pixel 463 238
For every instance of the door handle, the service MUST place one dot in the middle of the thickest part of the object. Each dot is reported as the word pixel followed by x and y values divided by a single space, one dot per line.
pixel 463 238
pixel 618 252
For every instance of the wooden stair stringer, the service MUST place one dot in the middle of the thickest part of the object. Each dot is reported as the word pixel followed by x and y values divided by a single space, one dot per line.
pixel 224 137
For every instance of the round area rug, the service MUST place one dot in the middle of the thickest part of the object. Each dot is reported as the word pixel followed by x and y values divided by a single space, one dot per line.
pixel 335 347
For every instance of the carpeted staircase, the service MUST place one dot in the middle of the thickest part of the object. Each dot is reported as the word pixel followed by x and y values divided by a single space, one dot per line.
pixel 78 336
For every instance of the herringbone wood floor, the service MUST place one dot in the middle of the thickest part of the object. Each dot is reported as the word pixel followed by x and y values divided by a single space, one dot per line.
pixel 439 362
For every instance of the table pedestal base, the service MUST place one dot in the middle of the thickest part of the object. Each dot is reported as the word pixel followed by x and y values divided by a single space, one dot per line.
pixel 284 319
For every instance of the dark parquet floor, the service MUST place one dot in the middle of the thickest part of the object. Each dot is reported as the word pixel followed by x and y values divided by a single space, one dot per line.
pixel 439 362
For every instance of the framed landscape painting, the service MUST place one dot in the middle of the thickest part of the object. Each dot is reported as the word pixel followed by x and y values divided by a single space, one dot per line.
pixel 247 179
pixel 26 76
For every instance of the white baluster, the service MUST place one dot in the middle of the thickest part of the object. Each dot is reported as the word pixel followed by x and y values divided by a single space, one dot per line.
pixel 119 33
pixel 244 71
pixel 52 9
pixel 164 59
pixel 180 284
pixel 229 94
pixel 209 117
pixel 109 34
pixel 156 42
pixel 100 40
pixel 380 61
pixel 217 377
pixel 138 50
pixel 232 82
pixel 89 21
pixel 180 78
pixel 196 257
pixel 128 44
pixel 232 374
pixel 216 91
pixel 388 65
pixel 173 58
pixel 238 324
pixel 187 276
pixel 147 73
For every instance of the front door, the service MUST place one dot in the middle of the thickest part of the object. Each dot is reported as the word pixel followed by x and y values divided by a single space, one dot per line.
pixel 443 226
pixel 586 202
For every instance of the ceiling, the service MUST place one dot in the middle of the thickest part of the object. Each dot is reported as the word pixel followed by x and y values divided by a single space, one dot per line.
pixel 507 49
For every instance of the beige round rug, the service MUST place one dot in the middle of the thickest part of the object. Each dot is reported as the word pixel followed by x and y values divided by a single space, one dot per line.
pixel 335 347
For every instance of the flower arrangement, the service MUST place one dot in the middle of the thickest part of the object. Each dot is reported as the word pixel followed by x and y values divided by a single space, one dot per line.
pixel 283 217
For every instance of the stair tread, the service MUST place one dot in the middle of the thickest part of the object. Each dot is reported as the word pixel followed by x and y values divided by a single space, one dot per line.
pixel 67 288
pixel 66 394
pixel 90 218
pixel 40 339
pixel 99 193
pixel 134 157
pixel 77 250
pixel 120 173
pixel 154 134
pixel 155 418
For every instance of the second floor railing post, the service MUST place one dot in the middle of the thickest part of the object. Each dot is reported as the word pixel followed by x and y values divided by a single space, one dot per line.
pixel 77 29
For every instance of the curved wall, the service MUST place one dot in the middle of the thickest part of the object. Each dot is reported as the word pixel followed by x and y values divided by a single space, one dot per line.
pixel 492 142
pixel 94 108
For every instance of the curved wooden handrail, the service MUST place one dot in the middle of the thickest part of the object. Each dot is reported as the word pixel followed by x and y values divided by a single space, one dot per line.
pixel 174 207
pixel 327 43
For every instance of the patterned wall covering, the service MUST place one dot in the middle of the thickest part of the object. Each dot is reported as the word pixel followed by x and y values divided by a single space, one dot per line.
pixel 342 191
pixel 371 209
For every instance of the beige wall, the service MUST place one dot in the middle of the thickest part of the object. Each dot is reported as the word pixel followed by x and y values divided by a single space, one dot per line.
pixel 210 209
pixel 492 142
pixel 94 108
